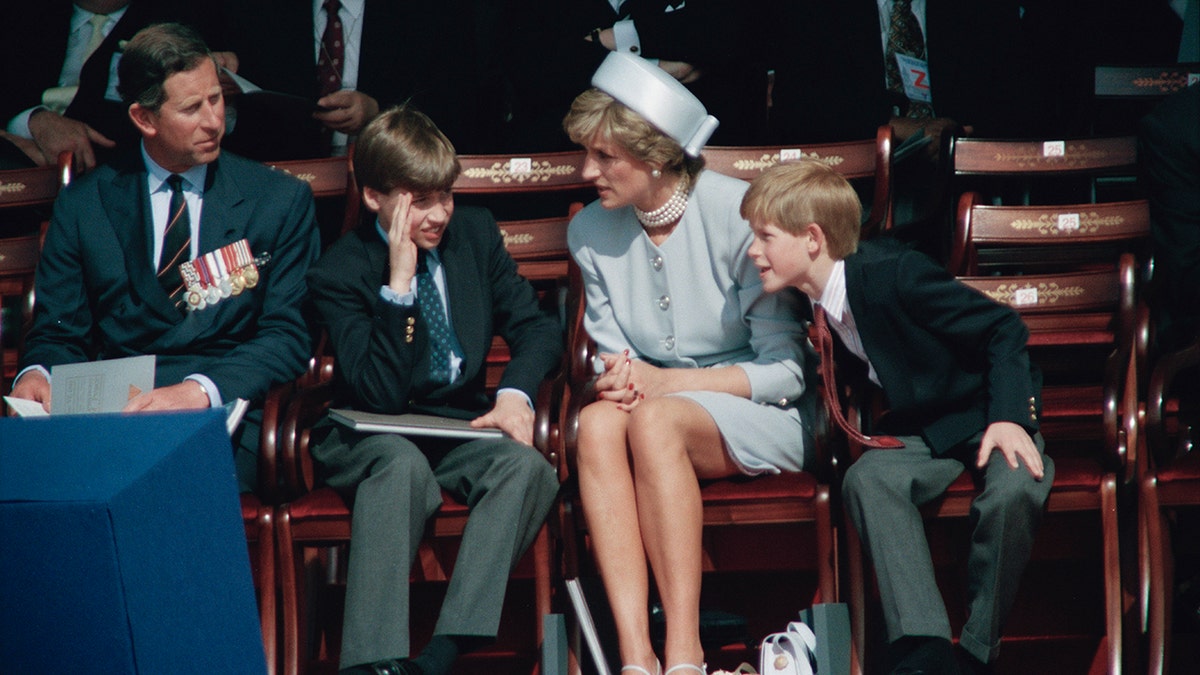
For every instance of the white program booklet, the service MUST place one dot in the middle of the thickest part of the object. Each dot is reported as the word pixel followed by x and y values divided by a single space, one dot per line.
pixel 99 386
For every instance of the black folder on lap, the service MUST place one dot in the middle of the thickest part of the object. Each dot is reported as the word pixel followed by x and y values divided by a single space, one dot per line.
pixel 410 424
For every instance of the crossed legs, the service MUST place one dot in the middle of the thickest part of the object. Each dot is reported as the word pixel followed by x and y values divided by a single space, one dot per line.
pixel 639 477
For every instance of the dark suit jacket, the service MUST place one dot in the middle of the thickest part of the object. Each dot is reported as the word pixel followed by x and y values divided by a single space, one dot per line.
pixel 379 370
pixel 551 63
pixel 409 52
pixel 33 45
pixel 98 296
pixel 1169 149
pixel 830 82
pixel 950 360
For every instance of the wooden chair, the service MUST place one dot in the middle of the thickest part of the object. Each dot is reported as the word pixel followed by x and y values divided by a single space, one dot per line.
pixel 1123 94
pixel 1043 171
pixel 1169 481
pixel 333 186
pixel 1046 238
pixel 26 196
pixel 18 261
pixel 1151 81
pixel 1082 327
pixel 259 521
pixel 318 518
pixel 769 501
pixel 516 187
pixel 865 159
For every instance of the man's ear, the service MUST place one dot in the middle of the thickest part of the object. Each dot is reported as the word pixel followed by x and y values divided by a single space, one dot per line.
pixel 372 198
pixel 144 119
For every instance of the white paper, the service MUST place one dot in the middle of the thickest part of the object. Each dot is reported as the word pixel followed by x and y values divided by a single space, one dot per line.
pixel 99 386
pixel 23 407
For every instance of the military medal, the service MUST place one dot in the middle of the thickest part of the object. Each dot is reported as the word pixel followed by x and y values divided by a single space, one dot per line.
pixel 194 295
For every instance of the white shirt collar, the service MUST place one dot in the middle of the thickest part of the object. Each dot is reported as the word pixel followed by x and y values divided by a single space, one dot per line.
pixel 833 296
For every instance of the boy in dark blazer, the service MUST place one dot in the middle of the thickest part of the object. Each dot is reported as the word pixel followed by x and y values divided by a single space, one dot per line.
pixel 411 301
pixel 961 395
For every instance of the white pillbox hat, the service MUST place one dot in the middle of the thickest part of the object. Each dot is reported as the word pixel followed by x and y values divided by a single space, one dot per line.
pixel 652 93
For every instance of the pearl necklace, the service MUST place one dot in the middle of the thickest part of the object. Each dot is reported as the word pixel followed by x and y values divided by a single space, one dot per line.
pixel 667 213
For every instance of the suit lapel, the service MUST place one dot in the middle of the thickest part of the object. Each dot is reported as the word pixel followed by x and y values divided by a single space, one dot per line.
pixel 466 307
pixel 126 200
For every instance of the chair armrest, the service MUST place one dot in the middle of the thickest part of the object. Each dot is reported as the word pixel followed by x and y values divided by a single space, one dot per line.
pixel 307 406
pixel 274 407
pixel 546 412
pixel 1168 367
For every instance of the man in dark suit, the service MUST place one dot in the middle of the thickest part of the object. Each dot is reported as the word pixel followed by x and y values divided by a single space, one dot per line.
pixel 1169 150
pixel 103 289
pixel 411 301
pixel 57 93
pixel 705 44
pixel 393 53
pixel 961 395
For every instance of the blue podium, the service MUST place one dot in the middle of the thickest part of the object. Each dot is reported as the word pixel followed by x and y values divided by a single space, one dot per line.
pixel 122 548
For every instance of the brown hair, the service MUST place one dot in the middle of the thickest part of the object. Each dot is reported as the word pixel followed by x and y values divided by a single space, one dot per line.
pixel 792 196
pixel 403 148
pixel 155 53
pixel 595 113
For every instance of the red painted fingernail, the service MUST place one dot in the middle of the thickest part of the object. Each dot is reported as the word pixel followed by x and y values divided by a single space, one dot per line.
pixel 626 352
pixel 630 386
pixel 640 396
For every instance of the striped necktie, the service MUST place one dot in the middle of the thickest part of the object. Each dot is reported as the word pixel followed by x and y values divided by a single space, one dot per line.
pixel 177 240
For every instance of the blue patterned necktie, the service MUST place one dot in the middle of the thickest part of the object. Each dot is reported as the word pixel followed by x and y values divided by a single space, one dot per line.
pixel 441 338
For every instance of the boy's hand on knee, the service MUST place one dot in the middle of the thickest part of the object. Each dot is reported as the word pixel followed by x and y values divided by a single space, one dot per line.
pixel 512 415
pixel 1015 443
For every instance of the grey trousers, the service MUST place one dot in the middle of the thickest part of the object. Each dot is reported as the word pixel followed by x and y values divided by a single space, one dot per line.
pixel 883 491
pixel 393 487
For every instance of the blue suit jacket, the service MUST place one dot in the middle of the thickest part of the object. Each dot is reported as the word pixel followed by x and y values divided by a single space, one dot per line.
pixel 98 296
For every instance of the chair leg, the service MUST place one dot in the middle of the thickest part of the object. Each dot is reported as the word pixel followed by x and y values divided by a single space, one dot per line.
pixel 1112 572
pixel 858 596
pixel 289 576
pixel 1154 539
pixel 827 581
pixel 267 616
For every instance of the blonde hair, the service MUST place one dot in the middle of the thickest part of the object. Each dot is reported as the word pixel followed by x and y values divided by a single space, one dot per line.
pixel 596 114
pixel 403 148
pixel 793 196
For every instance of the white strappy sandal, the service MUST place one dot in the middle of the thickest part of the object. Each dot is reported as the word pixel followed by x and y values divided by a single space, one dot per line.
pixel 702 669
pixel 642 671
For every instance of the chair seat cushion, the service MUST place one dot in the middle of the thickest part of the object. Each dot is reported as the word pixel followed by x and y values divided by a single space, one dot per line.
pixel 327 504
pixel 789 485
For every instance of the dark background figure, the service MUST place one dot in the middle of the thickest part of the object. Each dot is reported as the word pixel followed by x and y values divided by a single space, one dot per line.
pixel 422 53
pixel 1169 150
pixel 708 45
pixel 33 47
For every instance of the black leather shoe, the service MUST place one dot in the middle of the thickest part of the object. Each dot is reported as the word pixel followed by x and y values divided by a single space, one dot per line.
pixel 969 665
pixel 927 656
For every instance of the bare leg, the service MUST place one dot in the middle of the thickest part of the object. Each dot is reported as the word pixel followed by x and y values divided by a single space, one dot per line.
pixel 673 441
pixel 610 508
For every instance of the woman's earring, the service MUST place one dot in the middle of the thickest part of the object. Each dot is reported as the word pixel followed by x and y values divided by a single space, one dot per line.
pixel 657 173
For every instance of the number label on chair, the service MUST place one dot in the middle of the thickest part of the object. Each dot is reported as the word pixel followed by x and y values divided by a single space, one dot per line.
pixel 1068 222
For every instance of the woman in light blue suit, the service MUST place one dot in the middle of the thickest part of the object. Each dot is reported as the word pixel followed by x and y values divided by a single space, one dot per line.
pixel 704 374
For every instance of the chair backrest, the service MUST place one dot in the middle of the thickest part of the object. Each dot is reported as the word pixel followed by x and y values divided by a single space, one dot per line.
pixel 331 180
pixel 861 159
pixel 26 195
pixel 1033 171
pixel 18 261
pixel 539 246
pixel 1052 238
pixel 1151 81
pixel 535 172
pixel 1082 327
